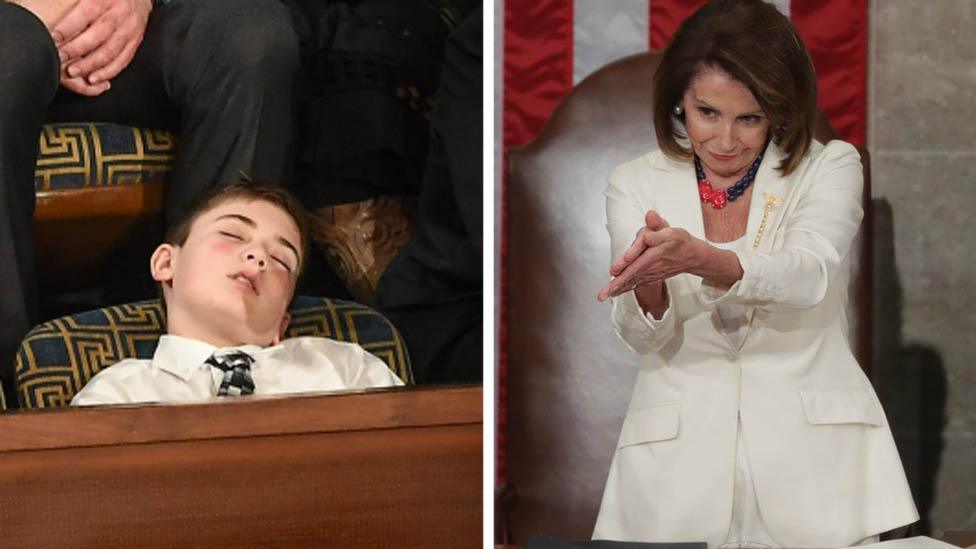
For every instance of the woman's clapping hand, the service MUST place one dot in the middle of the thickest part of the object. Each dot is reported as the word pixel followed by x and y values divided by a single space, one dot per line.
pixel 658 252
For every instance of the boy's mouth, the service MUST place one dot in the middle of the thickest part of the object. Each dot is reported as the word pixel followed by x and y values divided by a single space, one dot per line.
pixel 248 279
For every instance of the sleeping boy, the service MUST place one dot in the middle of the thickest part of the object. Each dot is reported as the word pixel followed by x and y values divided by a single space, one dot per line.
pixel 227 273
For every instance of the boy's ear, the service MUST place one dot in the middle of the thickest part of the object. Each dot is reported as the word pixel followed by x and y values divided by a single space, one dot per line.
pixel 285 319
pixel 161 263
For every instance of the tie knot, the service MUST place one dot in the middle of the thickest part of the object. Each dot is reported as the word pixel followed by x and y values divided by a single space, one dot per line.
pixel 236 366
pixel 232 360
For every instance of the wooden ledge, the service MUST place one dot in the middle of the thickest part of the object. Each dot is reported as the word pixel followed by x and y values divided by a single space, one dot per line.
pixel 254 416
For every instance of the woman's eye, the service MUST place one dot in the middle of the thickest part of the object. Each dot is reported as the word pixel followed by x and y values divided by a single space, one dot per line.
pixel 706 112
pixel 230 235
pixel 752 119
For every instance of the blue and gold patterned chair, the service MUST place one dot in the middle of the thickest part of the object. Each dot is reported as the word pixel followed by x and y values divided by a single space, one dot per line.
pixel 96 185
pixel 57 358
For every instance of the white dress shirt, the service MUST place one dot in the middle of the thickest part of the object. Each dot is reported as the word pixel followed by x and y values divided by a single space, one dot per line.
pixel 178 372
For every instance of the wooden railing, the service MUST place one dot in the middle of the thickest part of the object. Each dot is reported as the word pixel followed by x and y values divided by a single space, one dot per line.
pixel 393 468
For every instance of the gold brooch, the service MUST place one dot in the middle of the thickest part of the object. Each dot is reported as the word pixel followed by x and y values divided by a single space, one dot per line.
pixel 771 203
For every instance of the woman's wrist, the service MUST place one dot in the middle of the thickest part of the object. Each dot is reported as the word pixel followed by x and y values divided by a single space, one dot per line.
pixel 652 298
pixel 717 267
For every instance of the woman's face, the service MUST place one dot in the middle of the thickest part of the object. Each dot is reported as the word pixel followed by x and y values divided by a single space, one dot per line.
pixel 725 124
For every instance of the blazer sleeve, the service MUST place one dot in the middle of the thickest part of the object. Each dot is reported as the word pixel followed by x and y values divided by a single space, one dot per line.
pixel 641 332
pixel 818 236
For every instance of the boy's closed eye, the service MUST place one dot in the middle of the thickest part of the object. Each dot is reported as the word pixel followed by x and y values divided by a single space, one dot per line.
pixel 282 262
pixel 234 236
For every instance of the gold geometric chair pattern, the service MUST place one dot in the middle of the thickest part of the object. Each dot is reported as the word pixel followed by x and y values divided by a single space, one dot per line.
pixel 57 358
pixel 80 155
pixel 96 184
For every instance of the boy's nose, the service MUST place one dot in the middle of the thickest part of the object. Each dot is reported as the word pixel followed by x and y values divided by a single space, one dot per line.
pixel 256 257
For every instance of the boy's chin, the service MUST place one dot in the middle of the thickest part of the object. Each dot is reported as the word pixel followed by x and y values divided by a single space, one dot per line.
pixel 243 335
pixel 245 324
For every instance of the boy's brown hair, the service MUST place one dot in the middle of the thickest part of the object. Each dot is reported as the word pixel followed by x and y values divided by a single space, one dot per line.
pixel 247 189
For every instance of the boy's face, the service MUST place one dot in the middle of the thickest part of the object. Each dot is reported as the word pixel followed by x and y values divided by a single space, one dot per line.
pixel 232 280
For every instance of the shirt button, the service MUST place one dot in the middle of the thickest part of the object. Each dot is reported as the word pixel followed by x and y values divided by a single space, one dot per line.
pixel 732 356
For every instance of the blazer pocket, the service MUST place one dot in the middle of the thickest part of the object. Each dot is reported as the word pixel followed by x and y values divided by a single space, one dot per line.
pixel 839 406
pixel 650 424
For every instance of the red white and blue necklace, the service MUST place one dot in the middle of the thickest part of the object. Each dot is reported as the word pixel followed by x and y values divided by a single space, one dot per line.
pixel 719 199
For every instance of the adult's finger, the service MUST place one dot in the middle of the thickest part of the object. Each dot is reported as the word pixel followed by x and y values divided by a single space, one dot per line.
pixel 628 279
pixel 100 57
pixel 635 249
pixel 80 86
pixel 656 237
pixel 646 238
pixel 117 64
pixel 615 287
pixel 78 18
pixel 90 40
pixel 607 291
pixel 654 221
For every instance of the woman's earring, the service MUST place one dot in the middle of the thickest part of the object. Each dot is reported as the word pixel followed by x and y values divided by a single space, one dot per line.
pixel 678 110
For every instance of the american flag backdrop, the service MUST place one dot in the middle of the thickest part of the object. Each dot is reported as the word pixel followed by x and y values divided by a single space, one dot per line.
pixel 550 45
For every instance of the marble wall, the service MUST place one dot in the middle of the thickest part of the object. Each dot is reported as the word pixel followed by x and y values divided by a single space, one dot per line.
pixel 922 138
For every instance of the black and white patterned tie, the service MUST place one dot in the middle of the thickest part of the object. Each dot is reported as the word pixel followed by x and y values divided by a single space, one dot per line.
pixel 236 366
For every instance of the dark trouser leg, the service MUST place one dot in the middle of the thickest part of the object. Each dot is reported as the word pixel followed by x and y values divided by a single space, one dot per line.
pixel 221 74
pixel 432 290
pixel 28 80
pixel 444 340
pixel 233 76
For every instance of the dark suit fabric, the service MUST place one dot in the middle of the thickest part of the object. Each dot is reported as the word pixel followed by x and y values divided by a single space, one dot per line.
pixel 432 290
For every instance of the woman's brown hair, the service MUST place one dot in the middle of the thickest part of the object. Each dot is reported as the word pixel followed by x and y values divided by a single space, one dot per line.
pixel 755 44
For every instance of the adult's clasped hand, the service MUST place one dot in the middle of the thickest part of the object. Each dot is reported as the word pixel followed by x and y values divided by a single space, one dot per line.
pixel 657 253
pixel 96 40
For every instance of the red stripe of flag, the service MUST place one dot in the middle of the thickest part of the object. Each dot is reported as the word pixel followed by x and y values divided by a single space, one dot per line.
pixel 666 16
pixel 538 69
pixel 835 32
pixel 538 73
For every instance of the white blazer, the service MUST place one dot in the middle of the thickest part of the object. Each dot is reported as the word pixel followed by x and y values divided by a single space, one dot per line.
pixel 824 464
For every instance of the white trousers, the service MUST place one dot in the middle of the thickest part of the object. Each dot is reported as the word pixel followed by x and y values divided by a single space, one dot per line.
pixel 747 529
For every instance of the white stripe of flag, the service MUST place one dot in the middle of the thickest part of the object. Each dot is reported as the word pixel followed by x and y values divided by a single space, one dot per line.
pixel 607 30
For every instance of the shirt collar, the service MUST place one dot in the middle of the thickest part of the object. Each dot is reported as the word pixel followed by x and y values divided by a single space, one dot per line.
pixel 181 356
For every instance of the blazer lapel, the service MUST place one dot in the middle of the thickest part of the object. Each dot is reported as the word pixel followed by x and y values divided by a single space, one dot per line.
pixel 678 199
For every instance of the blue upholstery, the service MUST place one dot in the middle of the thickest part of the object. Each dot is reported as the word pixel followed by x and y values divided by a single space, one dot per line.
pixel 80 155
pixel 57 358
